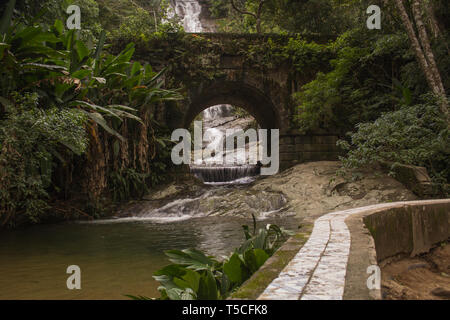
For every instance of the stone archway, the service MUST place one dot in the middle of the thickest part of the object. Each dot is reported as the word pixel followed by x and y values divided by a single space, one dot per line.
pixel 238 94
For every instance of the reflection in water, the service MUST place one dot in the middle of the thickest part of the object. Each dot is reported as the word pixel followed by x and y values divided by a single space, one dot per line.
pixel 115 258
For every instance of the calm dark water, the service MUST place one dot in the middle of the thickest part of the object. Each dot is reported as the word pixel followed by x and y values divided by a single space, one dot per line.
pixel 115 258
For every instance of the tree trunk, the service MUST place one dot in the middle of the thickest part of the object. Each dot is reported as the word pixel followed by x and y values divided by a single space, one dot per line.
pixel 424 64
pixel 433 23
pixel 427 46
pixel 256 15
pixel 258 25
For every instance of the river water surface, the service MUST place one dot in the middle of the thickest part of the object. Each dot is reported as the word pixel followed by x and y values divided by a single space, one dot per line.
pixel 116 257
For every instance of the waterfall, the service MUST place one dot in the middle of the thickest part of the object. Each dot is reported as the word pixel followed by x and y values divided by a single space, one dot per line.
pixel 189 12
pixel 223 110
pixel 223 174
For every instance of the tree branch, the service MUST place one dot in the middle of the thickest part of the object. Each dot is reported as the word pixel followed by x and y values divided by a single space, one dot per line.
pixel 242 11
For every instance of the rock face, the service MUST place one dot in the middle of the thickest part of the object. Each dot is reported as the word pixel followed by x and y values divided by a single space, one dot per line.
pixel 307 191
pixel 312 189
pixel 208 23
pixel 414 178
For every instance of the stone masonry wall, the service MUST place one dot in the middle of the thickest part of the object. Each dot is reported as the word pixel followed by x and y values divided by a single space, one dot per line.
pixel 303 148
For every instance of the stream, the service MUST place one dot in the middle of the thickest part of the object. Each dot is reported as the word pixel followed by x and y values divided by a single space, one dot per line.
pixel 116 257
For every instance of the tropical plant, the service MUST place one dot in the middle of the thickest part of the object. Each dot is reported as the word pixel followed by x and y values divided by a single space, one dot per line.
pixel 67 77
pixel 195 276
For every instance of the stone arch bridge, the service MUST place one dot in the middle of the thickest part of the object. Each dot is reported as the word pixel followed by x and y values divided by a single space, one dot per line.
pixel 242 70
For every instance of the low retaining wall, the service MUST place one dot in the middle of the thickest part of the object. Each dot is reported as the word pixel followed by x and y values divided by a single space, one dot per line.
pixel 410 229
pixel 333 263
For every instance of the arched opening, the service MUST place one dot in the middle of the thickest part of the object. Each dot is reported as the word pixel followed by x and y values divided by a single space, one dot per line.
pixel 235 93
pixel 228 152
pixel 223 108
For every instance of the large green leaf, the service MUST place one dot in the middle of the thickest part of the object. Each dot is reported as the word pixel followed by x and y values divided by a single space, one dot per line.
pixel 255 258
pixel 234 269
pixel 58 27
pixel 82 50
pixel 120 61
pixel 26 36
pixel 172 270
pixel 81 74
pixel 191 258
pixel 190 279
pixel 207 289
pixel 98 118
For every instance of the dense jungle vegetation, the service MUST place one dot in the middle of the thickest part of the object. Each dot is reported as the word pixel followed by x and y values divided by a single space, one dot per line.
pixel 78 122
pixel 386 90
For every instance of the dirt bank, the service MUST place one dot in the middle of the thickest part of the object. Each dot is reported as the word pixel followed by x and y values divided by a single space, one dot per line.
pixel 423 277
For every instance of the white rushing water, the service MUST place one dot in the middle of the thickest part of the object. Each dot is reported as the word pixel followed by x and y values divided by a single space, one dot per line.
pixel 189 12
pixel 223 110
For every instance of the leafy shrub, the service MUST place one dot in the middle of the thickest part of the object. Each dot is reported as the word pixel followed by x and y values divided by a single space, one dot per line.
pixel 414 135
pixel 31 139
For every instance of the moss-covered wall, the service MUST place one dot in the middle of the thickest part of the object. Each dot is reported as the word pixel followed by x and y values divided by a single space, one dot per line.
pixel 256 72
pixel 254 286
pixel 267 69
pixel 410 229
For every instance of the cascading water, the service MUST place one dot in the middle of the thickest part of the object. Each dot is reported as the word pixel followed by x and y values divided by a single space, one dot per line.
pixel 189 12
pixel 215 120
pixel 222 110
pixel 224 174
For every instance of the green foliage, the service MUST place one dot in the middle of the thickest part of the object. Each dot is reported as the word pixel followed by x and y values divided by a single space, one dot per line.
pixel 71 87
pixel 128 183
pixel 290 16
pixel 116 17
pixel 371 74
pixel 31 139
pixel 195 276
pixel 415 135
pixel 305 56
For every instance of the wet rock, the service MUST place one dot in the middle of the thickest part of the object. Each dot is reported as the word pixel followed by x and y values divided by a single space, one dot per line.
pixel 313 189
pixel 441 292
pixel 307 191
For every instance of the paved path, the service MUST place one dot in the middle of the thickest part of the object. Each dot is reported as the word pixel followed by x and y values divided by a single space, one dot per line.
pixel 318 270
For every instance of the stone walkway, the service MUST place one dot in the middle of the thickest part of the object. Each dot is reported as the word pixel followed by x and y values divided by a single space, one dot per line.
pixel 318 270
